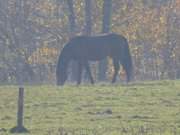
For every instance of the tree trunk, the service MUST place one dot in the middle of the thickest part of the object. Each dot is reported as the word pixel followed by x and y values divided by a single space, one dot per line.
pixel 88 17
pixel 169 65
pixel 72 25
pixel 88 24
pixel 107 7
pixel 71 17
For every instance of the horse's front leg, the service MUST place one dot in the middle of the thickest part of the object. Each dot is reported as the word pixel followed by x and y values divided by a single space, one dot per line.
pixel 79 73
pixel 116 69
pixel 86 64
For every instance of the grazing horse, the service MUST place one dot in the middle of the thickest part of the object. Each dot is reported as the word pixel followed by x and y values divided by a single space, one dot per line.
pixel 83 49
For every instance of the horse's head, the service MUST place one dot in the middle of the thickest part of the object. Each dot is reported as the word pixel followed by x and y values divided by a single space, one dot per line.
pixel 61 71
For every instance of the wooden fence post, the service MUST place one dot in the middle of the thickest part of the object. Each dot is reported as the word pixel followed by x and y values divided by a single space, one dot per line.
pixel 20 128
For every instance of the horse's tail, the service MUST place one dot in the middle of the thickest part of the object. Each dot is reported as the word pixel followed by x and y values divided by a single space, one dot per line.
pixel 126 59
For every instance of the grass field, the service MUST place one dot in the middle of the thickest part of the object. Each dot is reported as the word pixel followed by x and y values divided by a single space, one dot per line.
pixel 149 108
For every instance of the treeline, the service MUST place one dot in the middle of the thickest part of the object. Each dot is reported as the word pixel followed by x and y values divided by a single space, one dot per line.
pixel 33 32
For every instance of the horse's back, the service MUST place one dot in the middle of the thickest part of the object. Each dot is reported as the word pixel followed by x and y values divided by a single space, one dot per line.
pixel 96 47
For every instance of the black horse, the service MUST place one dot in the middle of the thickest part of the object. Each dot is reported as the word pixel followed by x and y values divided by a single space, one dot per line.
pixel 94 48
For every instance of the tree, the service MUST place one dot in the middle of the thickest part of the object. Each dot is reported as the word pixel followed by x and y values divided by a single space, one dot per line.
pixel 72 25
pixel 171 44
pixel 88 17
pixel 18 36
pixel 88 23
pixel 107 7
pixel 71 16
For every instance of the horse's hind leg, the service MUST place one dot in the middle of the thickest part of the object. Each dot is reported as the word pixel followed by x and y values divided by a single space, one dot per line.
pixel 116 69
pixel 89 72
pixel 80 68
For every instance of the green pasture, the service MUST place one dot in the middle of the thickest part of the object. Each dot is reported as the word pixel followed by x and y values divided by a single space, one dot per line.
pixel 145 108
